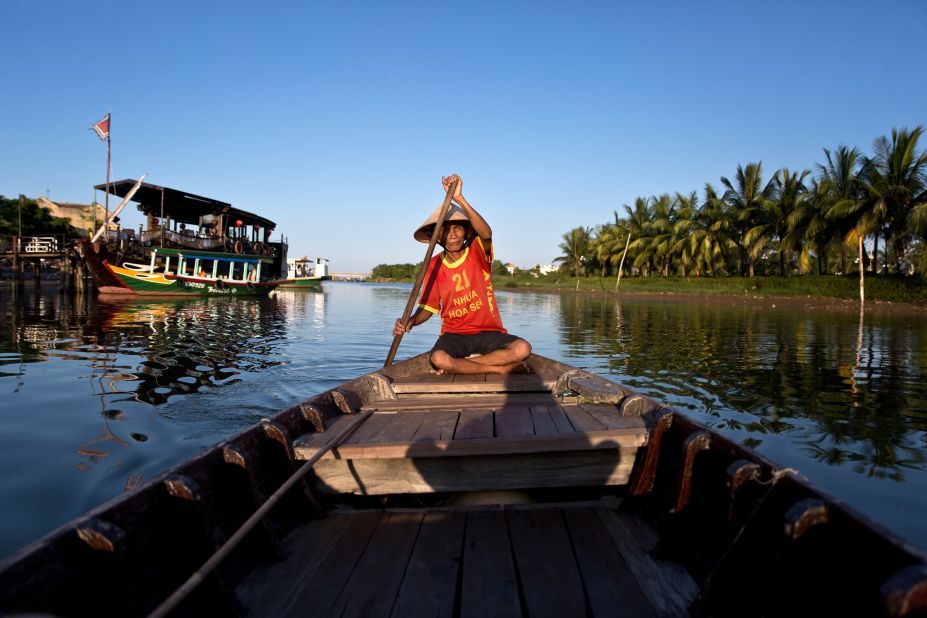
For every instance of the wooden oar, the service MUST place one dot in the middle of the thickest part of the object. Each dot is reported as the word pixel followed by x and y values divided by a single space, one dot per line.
pixel 197 578
pixel 421 272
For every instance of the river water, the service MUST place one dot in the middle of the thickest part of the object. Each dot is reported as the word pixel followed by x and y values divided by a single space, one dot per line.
pixel 100 396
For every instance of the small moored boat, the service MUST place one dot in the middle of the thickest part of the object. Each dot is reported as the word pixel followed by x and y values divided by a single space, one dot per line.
pixel 554 493
pixel 305 274
pixel 192 245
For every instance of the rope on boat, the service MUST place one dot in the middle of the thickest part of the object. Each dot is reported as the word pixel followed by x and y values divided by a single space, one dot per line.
pixel 177 597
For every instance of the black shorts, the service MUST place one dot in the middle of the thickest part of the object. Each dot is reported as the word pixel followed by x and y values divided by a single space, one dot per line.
pixel 462 346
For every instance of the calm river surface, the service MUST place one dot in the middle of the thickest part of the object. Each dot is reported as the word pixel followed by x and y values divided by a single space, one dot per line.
pixel 100 396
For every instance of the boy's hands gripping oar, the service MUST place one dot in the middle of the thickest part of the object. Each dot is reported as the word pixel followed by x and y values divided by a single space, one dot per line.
pixel 404 320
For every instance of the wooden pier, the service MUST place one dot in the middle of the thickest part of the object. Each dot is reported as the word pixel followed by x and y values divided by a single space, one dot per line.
pixel 36 251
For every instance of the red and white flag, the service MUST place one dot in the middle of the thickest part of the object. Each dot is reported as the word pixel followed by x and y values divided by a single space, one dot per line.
pixel 102 127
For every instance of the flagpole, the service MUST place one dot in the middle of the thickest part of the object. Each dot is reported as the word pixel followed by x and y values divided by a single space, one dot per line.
pixel 109 134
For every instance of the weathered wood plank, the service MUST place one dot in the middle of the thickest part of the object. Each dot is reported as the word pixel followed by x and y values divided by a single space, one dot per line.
pixel 400 429
pixel 669 588
pixel 605 413
pixel 474 424
pixel 423 378
pixel 306 549
pixel 376 579
pixel 319 439
pixel 514 421
pixel 372 429
pixel 581 420
pixel 438 425
pixel 524 381
pixel 429 587
pixel 543 423
pixel 423 475
pixel 459 401
pixel 608 580
pixel 321 593
pixel 468 378
pixel 631 437
pixel 488 584
pixel 548 573
pixel 509 385
pixel 560 419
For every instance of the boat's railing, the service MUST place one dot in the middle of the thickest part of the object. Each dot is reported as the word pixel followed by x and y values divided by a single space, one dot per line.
pixel 154 238
pixel 203 243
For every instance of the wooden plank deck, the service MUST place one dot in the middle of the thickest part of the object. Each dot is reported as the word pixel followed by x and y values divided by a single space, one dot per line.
pixel 464 433
pixel 537 560
pixel 460 442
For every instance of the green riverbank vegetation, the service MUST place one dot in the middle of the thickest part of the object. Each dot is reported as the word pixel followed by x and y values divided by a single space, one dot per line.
pixel 796 222
pixel 890 288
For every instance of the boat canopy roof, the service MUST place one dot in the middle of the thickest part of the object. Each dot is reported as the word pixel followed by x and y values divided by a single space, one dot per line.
pixel 180 205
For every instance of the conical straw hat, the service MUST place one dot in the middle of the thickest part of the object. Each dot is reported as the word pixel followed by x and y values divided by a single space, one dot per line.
pixel 425 230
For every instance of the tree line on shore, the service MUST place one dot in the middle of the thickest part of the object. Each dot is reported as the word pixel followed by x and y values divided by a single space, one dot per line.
pixel 409 272
pixel 797 221
pixel 26 215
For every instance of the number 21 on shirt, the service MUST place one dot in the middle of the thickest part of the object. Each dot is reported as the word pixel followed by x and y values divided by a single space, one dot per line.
pixel 461 281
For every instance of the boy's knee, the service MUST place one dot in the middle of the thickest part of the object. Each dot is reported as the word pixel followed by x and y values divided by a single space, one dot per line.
pixel 521 348
pixel 440 359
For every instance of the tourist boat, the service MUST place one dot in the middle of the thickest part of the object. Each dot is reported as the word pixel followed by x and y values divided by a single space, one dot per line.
pixel 401 492
pixel 191 245
pixel 305 274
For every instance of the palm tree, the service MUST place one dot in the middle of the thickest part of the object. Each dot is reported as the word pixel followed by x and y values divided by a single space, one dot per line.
pixel 839 193
pixel 576 247
pixel 686 231
pixel 661 237
pixel 895 179
pixel 790 195
pixel 808 220
pixel 639 225
pixel 603 245
pixel 747 200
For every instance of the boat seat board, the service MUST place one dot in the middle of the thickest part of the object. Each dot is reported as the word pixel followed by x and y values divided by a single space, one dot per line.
pixel 485 430
pixel 520 441
pixel 475 383
pixel 492 560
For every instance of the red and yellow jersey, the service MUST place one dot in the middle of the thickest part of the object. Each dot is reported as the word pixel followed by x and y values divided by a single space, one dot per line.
pixel 461 292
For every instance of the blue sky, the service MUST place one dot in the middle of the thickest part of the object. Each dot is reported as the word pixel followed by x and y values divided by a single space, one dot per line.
pixel 337 120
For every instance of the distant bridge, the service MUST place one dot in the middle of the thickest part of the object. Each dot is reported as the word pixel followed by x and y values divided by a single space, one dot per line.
pixel 350 276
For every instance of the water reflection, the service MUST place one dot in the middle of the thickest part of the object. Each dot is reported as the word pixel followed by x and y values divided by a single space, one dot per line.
pixel 157 349
pixel 847 392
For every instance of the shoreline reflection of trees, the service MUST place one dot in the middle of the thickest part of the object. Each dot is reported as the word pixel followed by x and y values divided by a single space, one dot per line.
pixel 845 393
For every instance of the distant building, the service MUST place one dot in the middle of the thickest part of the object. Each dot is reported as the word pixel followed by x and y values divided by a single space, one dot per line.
pixel 80 216
pixel 546 269
pixel 511 268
